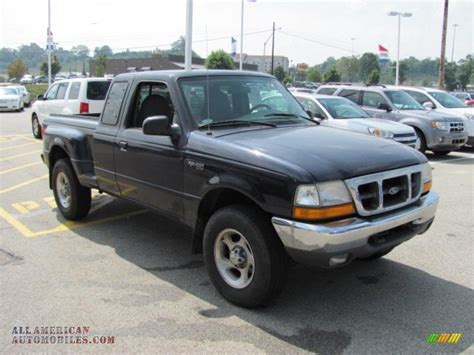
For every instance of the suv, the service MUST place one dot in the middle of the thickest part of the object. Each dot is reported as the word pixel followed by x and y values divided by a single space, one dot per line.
pixel 71 96
pixel 441 101
pixel 439 132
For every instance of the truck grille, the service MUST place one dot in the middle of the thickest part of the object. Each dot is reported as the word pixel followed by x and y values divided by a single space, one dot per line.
pixel 389 190
pixel 405 138
pixel 456 127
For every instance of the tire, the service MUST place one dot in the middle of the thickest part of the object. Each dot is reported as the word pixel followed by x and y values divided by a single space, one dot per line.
pixel 72 199
pixel 266 261
pixel 441 152
pixel 422 139
pixel 35 126
pixel 378 255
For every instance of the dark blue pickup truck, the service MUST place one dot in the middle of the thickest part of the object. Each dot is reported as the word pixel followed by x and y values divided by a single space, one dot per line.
pixel 234 157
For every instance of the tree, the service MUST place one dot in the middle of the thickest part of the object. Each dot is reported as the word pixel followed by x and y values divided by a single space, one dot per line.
pixel 332 76
pixel 348 67
pixel 402 71
pixel 367 63
pixel 450 81
pixel 100 65
pixel 104 50
pixel 219 60
pixel 314 75
pixel 17 69
pixel 464 72
pixel 81 51
pixel 374 77
pixel 31 54
pixel 55 66
pixel 280 73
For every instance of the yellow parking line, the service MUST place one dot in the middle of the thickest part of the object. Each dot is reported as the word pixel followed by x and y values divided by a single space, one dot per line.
pixel 18 146
pixel 20 167
pixel 23 184
pixel 20 155
pixel 31 139
pixel 69 225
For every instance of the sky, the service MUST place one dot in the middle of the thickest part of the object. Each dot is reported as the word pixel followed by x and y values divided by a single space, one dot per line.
pixel 327 26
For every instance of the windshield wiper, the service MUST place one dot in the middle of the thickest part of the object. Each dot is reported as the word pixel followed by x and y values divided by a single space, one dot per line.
pixel 292 115
pixel 236 122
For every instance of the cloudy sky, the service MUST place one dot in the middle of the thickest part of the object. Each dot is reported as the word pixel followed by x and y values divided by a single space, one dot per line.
pixel 326 26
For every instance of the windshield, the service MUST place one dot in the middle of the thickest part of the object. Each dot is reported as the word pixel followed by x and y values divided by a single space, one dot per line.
pixel 447 100
pixel 341 108
pixel 402 101
pixel 8 91
pixel 215 100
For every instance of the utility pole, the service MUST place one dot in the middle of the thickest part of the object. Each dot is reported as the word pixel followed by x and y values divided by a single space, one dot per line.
pixel 188 52
pixel 443 46
pixel 454 40
pixel 49 42
pixel 273 47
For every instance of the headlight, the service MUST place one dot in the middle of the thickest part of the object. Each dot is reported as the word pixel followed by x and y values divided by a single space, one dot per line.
pixel 380 133
pixel 444 126
pixel 469 116
pixel 426 178
pixel 322 201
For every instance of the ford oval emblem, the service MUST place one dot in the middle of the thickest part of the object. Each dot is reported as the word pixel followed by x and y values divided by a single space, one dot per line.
pixel 394 190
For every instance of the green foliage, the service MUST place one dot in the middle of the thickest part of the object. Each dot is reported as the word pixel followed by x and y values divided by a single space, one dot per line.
pixel 100 65
pixel 367 63
pixel 81 51
pixel 288 79
pixel 450 80
pixel 374 77
pixel 2 79
pixel 55 66
pixel 36 89
pixel 327 64
pixel 348 67
pixel 465 71
pixel 314 75
pixel 17 69
pixel 219 60
pixel 103 51
pixel 280 73
pixel 332 76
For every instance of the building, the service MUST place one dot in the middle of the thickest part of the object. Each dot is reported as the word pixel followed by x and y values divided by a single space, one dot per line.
pixel 172 62
pixel 264 63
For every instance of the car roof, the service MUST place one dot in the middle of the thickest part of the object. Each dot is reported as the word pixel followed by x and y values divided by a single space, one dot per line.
pixel 316 96
pixel 190 73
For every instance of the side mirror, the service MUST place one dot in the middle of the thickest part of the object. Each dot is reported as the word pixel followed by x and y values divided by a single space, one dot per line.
pixel 160 126
pixel 428 105
pixel 41 97
pixel 384 106
pixel 310 114
pixel 319 115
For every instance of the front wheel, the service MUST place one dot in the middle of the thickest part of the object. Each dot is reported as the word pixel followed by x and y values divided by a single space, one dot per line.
pixel 35 126
pixel 422 139
pixel 73 199
pixel 244 256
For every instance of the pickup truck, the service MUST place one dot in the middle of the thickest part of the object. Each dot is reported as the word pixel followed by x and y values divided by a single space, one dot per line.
pixel 257 185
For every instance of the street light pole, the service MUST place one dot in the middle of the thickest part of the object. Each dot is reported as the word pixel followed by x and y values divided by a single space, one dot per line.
pixel 188 52
pixel 454 39
pixel 49 42
pixel 400 15
pixel 264 50
pixel 273 46
pixel 241 36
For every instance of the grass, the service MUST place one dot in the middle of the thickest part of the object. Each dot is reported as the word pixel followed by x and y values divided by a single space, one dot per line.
pixel 36 89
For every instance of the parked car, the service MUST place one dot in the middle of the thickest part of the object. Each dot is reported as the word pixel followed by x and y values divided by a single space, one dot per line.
pixel 24 93
pixel 41 80
pixel 327 89
pixel 255 185
pixel 27 79
pixel 71 96
pixel 10 99
pixel 441 101
pixel 19 93
pixel 341 113
pixel 465 96
pixel 302 89
pixel 439 132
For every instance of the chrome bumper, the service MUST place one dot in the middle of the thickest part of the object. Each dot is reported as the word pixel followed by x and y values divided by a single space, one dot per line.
pixel 338 243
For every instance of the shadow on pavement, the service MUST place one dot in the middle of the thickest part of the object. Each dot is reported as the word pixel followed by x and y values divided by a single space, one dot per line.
pixel 367 307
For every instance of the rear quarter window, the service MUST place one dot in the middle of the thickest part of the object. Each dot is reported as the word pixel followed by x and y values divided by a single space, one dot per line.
pixel 74 91
pixel 97 90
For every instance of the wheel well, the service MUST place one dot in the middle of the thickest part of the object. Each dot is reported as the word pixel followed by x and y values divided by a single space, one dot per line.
pixel 56 153
pixel 213 201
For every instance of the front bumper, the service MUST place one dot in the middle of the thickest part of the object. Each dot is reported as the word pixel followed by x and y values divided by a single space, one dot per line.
pixel 447 141
pixel 340 242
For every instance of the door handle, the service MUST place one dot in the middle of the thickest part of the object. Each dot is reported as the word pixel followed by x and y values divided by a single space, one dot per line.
pixel 123 146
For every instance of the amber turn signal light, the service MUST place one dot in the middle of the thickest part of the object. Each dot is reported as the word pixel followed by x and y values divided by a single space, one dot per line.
pixel 346 209
pixel 427 186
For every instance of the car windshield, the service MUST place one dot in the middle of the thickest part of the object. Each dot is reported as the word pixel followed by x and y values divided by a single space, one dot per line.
pixel 221 101
pixel 402 101
pixel 342 109
pixel 447 100
pixel 8 91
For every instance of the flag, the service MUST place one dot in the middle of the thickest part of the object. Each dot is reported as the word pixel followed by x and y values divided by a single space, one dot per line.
pixel 383 54
pixel 233 50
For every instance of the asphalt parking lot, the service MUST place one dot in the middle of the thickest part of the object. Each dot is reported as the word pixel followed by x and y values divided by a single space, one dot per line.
pixel 128 273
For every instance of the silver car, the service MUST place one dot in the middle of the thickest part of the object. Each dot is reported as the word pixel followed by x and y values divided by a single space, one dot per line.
pixel 341 113
pixel 10 100
pixel 24 93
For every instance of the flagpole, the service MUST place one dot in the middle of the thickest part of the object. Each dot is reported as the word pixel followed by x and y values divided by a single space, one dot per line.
pixel 241 36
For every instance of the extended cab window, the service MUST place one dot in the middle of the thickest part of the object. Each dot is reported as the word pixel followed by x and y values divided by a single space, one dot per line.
pixel 350 94
pixel 372 99
pixel 74 91
pixel 151 99
pixel 114 103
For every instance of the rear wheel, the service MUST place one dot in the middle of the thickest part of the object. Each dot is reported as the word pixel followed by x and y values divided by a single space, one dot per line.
pixel 73 199
pixel 422 139
pixel 244 257
pixel 35 126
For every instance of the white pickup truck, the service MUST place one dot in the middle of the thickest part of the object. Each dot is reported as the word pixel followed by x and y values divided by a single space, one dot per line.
pixel 69 97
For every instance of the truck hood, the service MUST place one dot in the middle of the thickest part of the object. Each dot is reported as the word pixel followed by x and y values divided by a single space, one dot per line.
pixel 363 124
pixel 326 153
pixel 431 115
